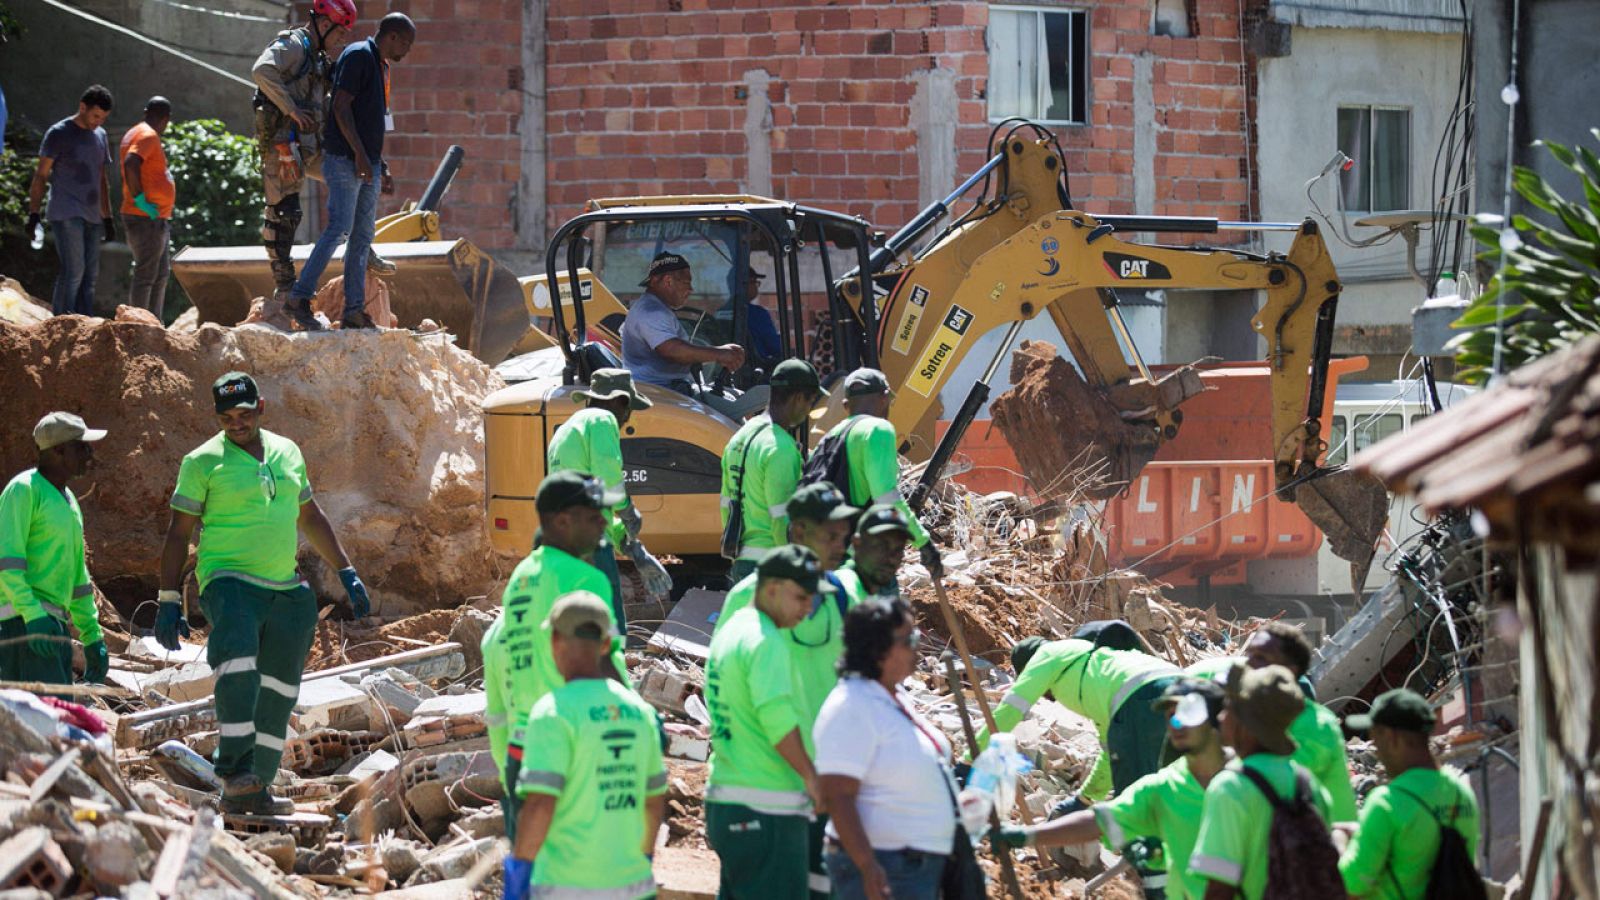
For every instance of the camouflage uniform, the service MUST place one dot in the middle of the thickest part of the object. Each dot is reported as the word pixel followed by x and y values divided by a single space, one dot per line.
pixel 292 73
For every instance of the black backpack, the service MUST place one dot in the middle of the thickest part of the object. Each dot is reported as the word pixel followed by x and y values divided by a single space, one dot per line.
pixel 829 463
pixel 1302 862
pixel 1455 874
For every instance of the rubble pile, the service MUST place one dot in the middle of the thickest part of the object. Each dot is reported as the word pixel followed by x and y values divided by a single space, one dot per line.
pixel 388 423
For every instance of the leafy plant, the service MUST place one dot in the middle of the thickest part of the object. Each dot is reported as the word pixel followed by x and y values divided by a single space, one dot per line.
pixel 219 184
pixel 1549 292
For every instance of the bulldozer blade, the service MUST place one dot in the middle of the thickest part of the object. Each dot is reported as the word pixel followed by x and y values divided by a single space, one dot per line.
pixel 452 282
pixel 1351 508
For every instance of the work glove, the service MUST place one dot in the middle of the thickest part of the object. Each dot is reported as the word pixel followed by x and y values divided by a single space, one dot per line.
pixel 170 623
pixel 360 603
pixel 518 877
pixel 631 521
pixel 33 222
pixel 657 583
pixel 146 207
pixel 96 662
pixel 1068 806
pixel 44 631
pixel 1011 837
pixel 110 227
pixel 931 560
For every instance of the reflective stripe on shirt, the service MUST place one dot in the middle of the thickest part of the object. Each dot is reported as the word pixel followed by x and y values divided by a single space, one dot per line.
pixel 773 803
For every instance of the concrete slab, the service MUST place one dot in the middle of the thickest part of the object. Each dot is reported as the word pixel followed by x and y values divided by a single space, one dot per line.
pixel 330 703
pixel 688 628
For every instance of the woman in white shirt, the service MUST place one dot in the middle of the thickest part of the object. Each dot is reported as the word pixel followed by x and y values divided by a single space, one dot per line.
pixel 882 768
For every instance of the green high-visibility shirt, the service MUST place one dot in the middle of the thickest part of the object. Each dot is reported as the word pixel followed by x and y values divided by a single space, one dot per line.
pixel 1392 852
pixel 249 509
pixel 43 571
pixel 771 473
pixel 815 643
pixel 852 581
pixel 1091 682
pixel 1236 822
pixel 872 452
pixel 1165 804
pixel 751 697
pixel 591 442
pixel 518 667
pixel 1319 739
pixel 595 746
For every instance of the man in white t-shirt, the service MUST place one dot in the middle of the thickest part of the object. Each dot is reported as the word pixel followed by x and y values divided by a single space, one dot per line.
pixel 656 351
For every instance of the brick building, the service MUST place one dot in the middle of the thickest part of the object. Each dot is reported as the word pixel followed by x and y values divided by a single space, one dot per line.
pixel 870 107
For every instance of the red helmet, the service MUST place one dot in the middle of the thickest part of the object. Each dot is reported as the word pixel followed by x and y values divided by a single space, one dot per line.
pixel 339 12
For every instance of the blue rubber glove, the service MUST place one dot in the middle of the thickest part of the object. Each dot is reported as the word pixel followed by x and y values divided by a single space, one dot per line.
pixel 43 628
pixel 518 878
pixel 96 662
pixel 360 603
pixel 170 623
pixel 146 207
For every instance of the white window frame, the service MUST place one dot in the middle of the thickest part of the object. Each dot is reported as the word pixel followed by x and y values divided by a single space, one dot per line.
pixel 1371 109
pixel 1082 14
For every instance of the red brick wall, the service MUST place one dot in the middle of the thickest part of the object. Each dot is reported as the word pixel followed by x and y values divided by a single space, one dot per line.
pixel 460 84
pixel 645 97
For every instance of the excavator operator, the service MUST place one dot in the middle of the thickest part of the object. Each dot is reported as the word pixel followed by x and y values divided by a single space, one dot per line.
pixel 656 351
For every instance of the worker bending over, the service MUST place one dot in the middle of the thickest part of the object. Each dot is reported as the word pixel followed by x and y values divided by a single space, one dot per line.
pixel 593 784
pixel 1393 851
pixel 44 573
pixel 247 490
pixel 761 793
pixel 1165 804
pixel 761 467
pixel 590 442
pixel 519 667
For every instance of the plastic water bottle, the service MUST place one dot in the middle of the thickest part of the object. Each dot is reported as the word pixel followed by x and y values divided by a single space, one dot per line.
pixel 992 785
pixel 36 240
pixel 1447 285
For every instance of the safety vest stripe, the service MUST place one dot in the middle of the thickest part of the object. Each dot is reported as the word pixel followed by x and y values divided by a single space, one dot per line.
pixel 305 493
pixel 887 497
pixel 236 729
pixel 779 511
pixel 13 562
pixel 496 720
pixel 282 688
pixel 754 553
pixel 235 666
pixel 531 778
pixel 819 882
pixel 1139 681
pixel 82 590
pixel 656 781
pixel 1224 869
pixel 186 505
pixel 560 892
pixel 1109 825
pixel 8 611
pixel 1017 702
pixel 776 803
pixel 258 581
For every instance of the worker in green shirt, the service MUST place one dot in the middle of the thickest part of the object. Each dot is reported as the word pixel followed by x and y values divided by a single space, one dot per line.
pixel 876 551
pixel 761 467
pixel 762 788
pixel 1114 689
pixel 1319 739
pixel 246 489
pixel 44 578
pixel 518 665
pixel 590 442
pixel 1392 852
pixel 1231 852
pixel 593 784
pixel 1165 804
pixel 872 454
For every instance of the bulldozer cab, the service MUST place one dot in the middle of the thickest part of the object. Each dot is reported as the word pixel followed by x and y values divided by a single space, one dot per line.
pixel 796 254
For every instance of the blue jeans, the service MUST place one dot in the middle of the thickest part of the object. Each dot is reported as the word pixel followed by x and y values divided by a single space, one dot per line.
pixel 913 874
pixel 78 244
pixel 352 213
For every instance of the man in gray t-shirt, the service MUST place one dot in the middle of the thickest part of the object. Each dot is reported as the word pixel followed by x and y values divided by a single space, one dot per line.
pixel 74 162
pixel 656 352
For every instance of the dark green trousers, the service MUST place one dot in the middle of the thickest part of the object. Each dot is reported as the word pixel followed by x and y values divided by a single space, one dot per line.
pixel 18 662
pixel 763 857
pixel 1135 738
pixel 605 559
pixel 258 646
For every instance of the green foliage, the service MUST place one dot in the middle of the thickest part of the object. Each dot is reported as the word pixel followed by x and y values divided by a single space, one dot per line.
pixel 10 28
pixel 17 162
pixel 1551 283
pixel 219 185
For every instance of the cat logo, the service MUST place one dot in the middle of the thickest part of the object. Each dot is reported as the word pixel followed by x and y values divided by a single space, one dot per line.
pixel 1133 268
pixel 952 331
pixel 910 317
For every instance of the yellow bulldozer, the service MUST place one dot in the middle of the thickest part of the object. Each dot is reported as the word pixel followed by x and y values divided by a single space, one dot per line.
pixel 913 305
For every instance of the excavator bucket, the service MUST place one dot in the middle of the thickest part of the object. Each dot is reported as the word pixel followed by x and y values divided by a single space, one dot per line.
pixel 452 282
pixel 1351 508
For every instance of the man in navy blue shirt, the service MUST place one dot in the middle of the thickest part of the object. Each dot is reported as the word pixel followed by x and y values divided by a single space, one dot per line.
pixel 353 151
pixel 74 161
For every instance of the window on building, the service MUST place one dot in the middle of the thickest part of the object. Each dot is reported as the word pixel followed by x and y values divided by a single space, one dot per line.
pixel 1039 64
pixel 1370 430
pixel 1379 140
pixel 1338 431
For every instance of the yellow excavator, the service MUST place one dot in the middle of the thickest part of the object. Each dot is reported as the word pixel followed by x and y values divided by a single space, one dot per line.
pixel 913 305
pixel 453 282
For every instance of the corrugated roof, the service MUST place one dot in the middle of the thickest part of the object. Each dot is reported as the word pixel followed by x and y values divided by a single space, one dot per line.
pixel 1527 449
pixel 1439 16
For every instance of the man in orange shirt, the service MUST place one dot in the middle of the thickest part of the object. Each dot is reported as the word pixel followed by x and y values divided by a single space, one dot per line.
pixel 147 197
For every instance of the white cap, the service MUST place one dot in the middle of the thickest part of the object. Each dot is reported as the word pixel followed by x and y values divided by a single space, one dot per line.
pixel 59 428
